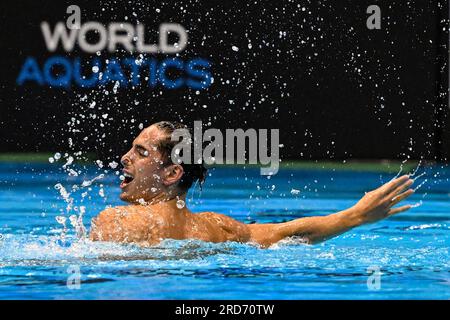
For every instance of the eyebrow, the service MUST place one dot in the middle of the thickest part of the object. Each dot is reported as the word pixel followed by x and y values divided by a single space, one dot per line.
pixel 140 146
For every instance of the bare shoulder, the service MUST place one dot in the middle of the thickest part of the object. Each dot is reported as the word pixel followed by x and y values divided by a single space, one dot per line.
pixel 103 216
pixel 117 212
pixel 230 228
pixel 109 214
pixel 102 226
pixel 217 218
pixel 123 224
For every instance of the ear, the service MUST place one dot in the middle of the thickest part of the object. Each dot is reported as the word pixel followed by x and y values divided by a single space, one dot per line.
pixel 172 174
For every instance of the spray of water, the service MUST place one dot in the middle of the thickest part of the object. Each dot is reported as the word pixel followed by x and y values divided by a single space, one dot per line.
pixel 74 212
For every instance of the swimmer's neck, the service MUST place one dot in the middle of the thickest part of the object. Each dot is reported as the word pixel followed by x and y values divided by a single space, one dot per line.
pixel 167 204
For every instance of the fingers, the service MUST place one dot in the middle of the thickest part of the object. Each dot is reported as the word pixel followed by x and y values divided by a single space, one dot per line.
pixel 401 197
pixel 393 184
pixel 400 189
pixel 399 209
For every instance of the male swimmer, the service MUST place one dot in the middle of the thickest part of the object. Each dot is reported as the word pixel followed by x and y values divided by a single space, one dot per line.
pixel 154 186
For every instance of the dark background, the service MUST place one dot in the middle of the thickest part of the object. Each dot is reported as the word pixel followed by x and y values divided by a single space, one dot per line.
pixel 335 89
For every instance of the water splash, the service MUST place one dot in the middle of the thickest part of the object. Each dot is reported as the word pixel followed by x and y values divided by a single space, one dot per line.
pixel 420 185
pixel 77 223
pixel 65 195
pixel 62 221
pixel 418 204
pixel 399 172
pixel 420 175
pixel 87 183
pixel 416 169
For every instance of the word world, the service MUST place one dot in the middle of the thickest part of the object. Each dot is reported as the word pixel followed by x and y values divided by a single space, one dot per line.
pixel 135 69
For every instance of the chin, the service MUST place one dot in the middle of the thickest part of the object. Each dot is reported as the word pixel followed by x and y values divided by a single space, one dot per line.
pixel 124 197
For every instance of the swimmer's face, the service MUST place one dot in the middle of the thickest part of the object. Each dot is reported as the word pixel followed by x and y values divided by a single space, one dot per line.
pixel 143 168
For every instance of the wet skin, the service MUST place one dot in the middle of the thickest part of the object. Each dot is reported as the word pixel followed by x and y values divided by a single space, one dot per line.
pixel 156 209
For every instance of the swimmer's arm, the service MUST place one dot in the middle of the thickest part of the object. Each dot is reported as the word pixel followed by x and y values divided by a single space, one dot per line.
pixel 374 206
pixel 311 229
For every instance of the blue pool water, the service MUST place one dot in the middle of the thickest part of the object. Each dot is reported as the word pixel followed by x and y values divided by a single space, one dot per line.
pixel 411 250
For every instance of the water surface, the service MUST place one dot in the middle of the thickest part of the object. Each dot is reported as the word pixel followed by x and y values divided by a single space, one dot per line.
pixel 411 250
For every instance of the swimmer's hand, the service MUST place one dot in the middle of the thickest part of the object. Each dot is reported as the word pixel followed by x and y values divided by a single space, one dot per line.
pixel 378 204
pixel 374 206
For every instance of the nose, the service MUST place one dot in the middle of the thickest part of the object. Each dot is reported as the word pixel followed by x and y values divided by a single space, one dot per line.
pixel 126 159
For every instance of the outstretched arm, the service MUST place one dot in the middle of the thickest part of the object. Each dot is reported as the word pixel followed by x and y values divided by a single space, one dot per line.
pixel 375 205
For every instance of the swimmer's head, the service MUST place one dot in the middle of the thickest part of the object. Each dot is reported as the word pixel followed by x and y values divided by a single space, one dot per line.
pixel 148 168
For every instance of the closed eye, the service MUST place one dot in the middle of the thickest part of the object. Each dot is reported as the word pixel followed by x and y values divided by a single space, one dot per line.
pixel 141 150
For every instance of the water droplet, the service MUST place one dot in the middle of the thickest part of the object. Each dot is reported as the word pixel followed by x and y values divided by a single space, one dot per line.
pixel 113 165
pixel 61 219
pixel 181 204
pixel 142 202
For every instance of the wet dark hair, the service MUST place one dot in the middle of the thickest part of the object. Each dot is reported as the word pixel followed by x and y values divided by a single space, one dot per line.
pixel 192 172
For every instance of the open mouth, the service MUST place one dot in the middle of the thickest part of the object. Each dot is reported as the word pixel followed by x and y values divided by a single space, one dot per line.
pixel 127 179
